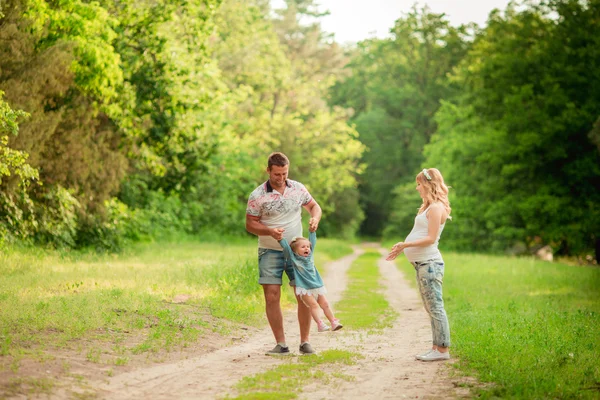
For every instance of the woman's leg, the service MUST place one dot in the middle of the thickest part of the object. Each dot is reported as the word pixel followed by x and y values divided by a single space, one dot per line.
pixel 430 278
pixel 426 305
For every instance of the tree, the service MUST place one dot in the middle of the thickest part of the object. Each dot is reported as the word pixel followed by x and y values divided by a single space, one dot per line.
pixel 279 71
pixel 514 143
pixel 58 65
pixel 394 89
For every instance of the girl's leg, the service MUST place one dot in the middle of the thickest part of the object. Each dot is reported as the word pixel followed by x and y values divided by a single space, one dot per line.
pixel 312 304
pixel 430 278
pixel 324 304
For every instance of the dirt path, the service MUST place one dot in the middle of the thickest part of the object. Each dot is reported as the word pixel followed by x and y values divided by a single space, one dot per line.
pixel 388 370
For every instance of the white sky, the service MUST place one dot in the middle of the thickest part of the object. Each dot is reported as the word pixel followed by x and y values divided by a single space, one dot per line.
pixel 355 20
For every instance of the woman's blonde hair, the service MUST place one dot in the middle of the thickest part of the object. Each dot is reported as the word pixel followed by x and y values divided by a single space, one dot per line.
pixel 437 191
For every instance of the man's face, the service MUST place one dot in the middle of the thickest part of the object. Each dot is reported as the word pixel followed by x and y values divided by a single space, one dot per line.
pixel 278 175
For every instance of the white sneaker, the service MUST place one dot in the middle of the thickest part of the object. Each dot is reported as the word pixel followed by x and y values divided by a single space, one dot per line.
pixel 424 354
pixel 434 355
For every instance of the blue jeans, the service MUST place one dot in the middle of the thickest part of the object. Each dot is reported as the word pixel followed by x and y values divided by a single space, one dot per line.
pixel 271 265
pixel 430 276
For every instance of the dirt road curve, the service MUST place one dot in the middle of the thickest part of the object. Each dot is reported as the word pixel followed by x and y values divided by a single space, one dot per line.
pixel 387 371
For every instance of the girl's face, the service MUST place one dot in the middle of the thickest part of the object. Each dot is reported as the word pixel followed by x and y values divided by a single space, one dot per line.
pixel 303 248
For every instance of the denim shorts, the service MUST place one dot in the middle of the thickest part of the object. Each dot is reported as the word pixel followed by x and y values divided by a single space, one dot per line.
pixel 271 265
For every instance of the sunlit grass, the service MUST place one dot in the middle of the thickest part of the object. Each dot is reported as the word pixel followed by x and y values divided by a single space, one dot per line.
pixel 286 381
pixel 529 327
pixel 46 295
pixel 151 298
pixel 51 297
pixel 363 305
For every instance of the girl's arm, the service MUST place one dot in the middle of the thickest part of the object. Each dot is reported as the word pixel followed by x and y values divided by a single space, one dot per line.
pixel 287 250
pixel 312 238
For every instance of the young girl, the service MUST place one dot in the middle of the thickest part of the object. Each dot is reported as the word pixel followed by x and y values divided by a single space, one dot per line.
pixel 421 249
pixel 309 285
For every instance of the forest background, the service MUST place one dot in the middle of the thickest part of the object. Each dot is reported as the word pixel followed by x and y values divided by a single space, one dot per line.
pixel 134 120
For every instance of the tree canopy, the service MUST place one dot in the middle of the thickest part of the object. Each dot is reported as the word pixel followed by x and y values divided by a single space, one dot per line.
pixel 132 119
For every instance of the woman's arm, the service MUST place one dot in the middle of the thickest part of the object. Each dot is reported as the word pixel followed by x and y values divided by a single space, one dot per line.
pixel 434 217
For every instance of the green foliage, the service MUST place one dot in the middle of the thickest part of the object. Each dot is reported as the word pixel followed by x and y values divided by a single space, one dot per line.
pixel 13 161
pixel 150 119
pixel 394 89
pixel 515 143
pixel 170 87
pixel 59 66
pixel 57 219
pixel 324 150
pixel 405 207
pixel 279 72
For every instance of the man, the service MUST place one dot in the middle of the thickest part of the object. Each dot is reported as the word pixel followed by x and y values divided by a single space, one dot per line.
pixel 275 211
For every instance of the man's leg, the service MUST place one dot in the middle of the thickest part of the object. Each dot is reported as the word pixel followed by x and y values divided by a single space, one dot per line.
pixel 304 318
pixel 273 309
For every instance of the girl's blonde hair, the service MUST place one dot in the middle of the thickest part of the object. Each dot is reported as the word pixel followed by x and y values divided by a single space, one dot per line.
pixel 437 191
pixel 296 241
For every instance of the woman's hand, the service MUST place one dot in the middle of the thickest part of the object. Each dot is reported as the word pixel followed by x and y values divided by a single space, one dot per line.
pixel 396 249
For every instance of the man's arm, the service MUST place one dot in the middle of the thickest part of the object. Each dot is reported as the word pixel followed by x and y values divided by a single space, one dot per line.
pixel 254 226
pixel 314 209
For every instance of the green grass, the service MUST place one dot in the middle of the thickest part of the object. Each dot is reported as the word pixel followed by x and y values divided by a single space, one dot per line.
pixel 50 298
pixel 286 381
pixel 529 328
pixel 363 305
pixel 331 249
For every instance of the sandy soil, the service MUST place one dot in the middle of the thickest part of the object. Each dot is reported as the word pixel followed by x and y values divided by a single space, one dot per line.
pixel 387 371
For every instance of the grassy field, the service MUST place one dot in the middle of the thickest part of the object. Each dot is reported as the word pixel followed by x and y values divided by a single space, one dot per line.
pixel 528 328
pixel 169 293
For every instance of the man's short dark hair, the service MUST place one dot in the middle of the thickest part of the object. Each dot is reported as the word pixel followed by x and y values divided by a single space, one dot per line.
pixel 278 159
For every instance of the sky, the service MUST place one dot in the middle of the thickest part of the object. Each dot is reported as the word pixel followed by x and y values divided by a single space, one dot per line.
pixel 355 20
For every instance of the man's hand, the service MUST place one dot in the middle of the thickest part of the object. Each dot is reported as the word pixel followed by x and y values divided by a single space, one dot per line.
pixel 396 249
pixel 313 224
pixel 277 233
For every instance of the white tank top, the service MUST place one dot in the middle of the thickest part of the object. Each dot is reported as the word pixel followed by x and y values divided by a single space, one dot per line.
pixel 419 231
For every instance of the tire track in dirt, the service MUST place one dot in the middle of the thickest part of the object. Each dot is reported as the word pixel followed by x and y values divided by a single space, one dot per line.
pixel 387 371
pixel 212 375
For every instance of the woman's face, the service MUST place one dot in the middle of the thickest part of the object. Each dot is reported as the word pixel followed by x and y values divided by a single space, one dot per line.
pixel 421 189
